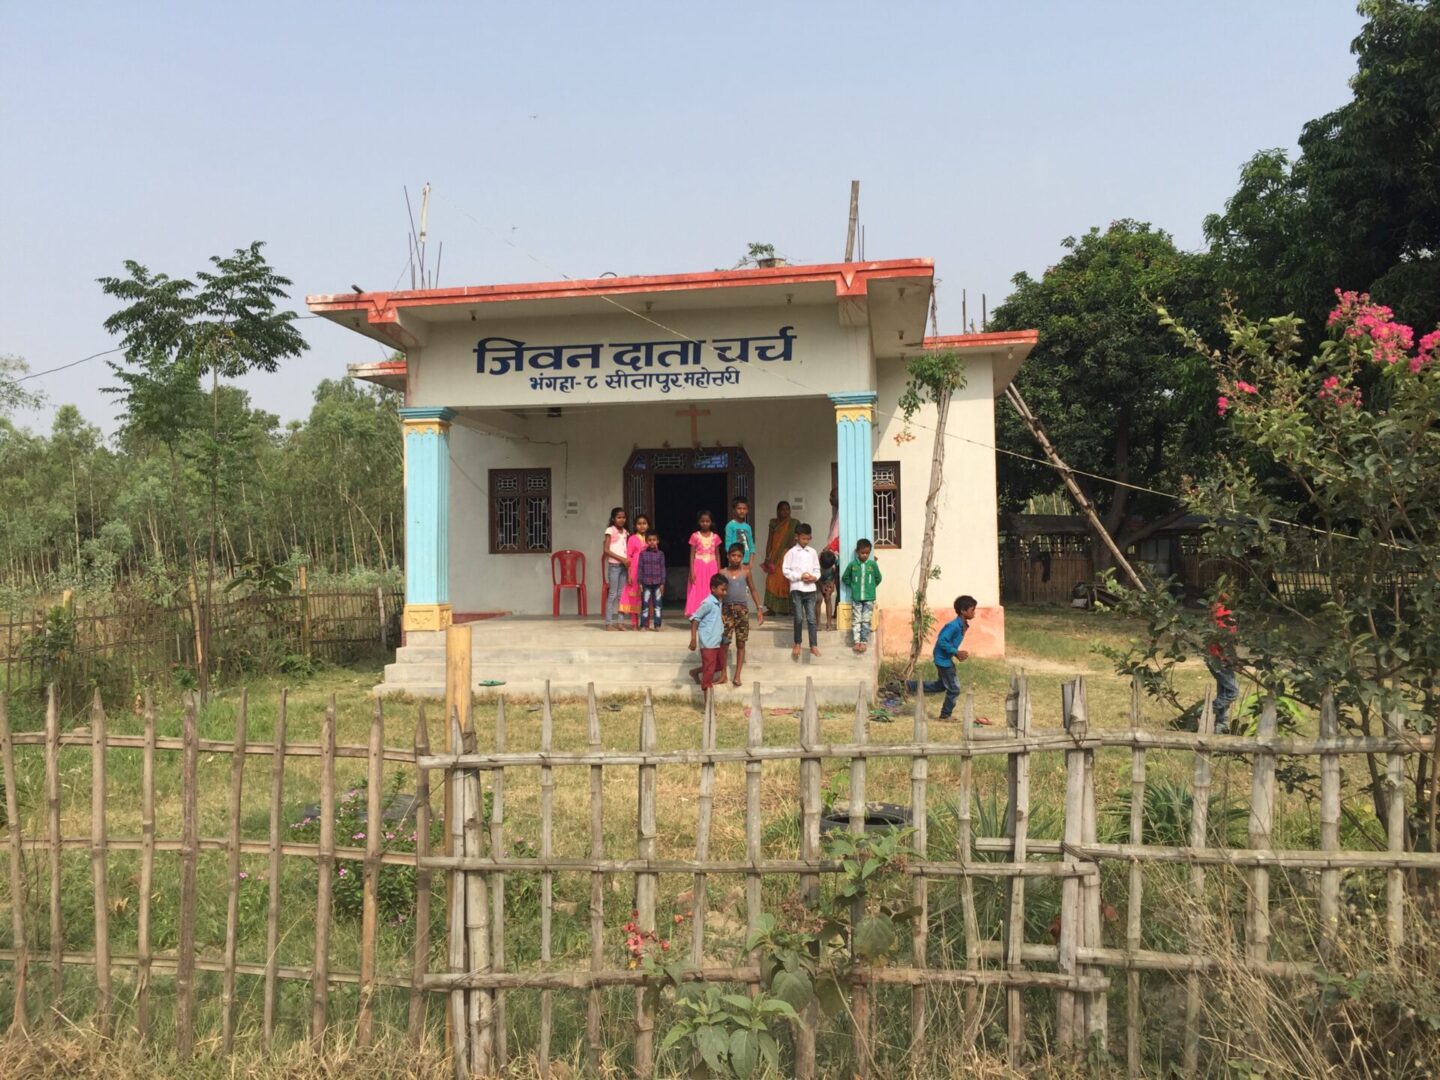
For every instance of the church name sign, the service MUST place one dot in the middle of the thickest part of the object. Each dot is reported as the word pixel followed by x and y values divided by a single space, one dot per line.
pixel 660 366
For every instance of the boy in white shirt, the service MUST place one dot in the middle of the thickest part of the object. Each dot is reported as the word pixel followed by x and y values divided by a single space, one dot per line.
pixel 802 570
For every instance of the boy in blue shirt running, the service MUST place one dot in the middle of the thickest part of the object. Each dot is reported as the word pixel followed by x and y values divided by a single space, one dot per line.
pixel 947 650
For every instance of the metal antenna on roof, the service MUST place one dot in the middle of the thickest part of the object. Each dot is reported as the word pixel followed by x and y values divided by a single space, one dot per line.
pixel 418 241
pixel 854 220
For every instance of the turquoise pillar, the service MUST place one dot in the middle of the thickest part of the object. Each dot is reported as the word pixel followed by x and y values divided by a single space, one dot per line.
pixel 427 517
pixel 854 456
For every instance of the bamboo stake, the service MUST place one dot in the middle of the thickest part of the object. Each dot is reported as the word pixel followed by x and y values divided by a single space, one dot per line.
pixel 597 881
pixel 646 887
pixel 189 857
pixel 1262 815
pixel 497 888
pixel 232 878
pixel 369 899
pixel 420 961
pixel 1019 816
pixel 477 920
pixel 52 807
pixel 273 865
pixel 1096 1004
pixel 754 737
pixel 324 893
pixel 964 845
pixel 547 879
pixel 860 998
pixel 1329 824
pixel 1135 903
pixel 920 887
pixel 1070 1011
pixel 706 802
pixel 455 911
pixel 1395 832
pixel 810 853
pixel 1199 837
pixel 147 872
pixel 20 1020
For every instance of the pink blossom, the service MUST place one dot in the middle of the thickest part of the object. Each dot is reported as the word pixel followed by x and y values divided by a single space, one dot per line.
pixel 344 871
pixel 358 836
pixel 1222 406
pixel 243 875
pixel 1245 387
pixel 1332 382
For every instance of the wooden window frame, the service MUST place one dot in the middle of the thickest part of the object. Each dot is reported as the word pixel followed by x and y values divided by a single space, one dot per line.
pixel 835 483
pixel 521 475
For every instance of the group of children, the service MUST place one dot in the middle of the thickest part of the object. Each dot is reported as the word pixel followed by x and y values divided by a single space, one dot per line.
pixel 719 599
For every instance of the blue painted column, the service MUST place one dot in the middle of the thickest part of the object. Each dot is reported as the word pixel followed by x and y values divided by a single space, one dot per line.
pixel 427 517
pixel 854 456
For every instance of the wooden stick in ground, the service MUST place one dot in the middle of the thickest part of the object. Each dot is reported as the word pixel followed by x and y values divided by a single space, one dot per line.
pixel 860 996
pixel 706 804
pixel 20 1019
pixel 964 852
pixel 273 865
pixel 370 886
pixel 597 881
pixel 1395 833
pixel 455 911
pixel 646 886
pixel 1019 819
pixel 1135 901
pixel 52 820
pixel 1199 837
pixel 920 887
pixel 324 892
pixel 809 852
pixel 1070 1010
pixel 754 737
pixel 232 878
pixel 497 885
pixel 189 858
pixel 420 959
pixel 1329 824
pixel 547 880
pixel 477 918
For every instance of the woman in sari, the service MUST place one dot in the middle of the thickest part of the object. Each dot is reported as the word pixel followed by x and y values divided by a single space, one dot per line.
pixel 780 540
pixel 630 598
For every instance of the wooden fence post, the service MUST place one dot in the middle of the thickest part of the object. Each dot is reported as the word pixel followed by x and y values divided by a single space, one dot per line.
pixel 547 879
pixel 860 995
pixel 920 895
pixel 272 900
pixel 809 853
pixel 1395 833
pixel 1136 892
pixel 1096 1003
pixel 370 886
pixel 189 855
pixel 497 885
pixel 1070 1007
pixel 20 1020
pixel 1018 823
pixel 232 877
pixel 704 809
pixel 324 892
pixel 100 865
pixel 597 880
pixel 754 739
pixel 420 960
pixel 455 892
pixel 1329 825
pixel 481 1006
pixel 1262 818
pixel 147 872
pixel 646 886
pixel 304 614
pixel 384 622
pixel 1199 838
pixel 52 809
pixel 964 852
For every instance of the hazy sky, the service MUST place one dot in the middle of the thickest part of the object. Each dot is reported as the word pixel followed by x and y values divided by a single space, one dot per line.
pixel 574 139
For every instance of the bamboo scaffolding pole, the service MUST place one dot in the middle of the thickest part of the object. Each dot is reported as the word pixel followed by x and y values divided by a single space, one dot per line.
pixel 860 995
pixel 920 886
pixel 420 959
pixel 459 1028
pixel 593 1049
pixel 705 807
pixel 370 885
pixel 1199 837
pixel 1135 892
pixel 481 1004
pixel 1329 825
pixel 52 810
pixel 754 737
pixel 646 886
pixel 272 892
pixel 1395 837
pixel 809 852
pixel 147 872
pixel 1018 819
pixel 19 1022
pixel 964 852
pixel 547 880
pixel 497 883
pixel 324 892
pixel 232 880
pixel 189 858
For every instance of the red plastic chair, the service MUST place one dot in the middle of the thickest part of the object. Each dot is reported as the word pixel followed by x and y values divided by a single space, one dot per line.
pixel 564 566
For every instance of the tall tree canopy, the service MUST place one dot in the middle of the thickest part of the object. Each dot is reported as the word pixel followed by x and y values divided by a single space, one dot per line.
pixel 1359 207
pixel 1118 393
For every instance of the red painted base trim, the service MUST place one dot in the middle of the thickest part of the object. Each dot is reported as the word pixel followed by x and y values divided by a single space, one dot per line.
pixel 984 638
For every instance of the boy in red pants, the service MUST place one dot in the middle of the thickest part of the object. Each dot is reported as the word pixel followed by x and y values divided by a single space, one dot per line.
pixel 707 632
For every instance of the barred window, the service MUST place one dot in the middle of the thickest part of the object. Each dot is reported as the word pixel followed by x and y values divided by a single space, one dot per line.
pixel 519 511
pixel 885 482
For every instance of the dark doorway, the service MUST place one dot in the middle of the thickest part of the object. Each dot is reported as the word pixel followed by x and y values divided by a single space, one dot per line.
pixel 679 498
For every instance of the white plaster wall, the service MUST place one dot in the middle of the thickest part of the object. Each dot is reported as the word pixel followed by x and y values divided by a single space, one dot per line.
pixel 966 532
pixel 792 445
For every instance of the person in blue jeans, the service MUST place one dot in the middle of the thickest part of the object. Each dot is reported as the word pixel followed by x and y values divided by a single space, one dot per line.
pixel 946 652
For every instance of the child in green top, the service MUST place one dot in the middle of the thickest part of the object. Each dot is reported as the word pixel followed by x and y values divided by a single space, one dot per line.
pixel 861 577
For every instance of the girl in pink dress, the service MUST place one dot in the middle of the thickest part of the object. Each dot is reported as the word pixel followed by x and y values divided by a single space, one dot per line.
pixel 630 598
pixel 704 562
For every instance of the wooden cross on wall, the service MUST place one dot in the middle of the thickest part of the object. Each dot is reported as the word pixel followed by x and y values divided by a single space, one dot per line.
pixel 694 414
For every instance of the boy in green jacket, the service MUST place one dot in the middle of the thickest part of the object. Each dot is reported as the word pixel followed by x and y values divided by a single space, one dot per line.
pixel 862 576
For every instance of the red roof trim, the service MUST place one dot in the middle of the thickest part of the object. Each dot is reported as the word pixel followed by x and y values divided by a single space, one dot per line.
pixel 989 340
pixel 850 279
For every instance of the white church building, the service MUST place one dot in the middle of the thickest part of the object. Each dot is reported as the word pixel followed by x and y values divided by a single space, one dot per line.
pixel 532 409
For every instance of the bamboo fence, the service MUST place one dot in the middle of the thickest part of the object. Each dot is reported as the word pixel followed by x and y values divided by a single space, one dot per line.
pixel 1074 972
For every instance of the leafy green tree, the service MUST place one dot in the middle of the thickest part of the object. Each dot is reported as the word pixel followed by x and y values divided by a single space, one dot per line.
pixel 1118 394
pixel 13 395
pixel 1330 466
pixel 1360 204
